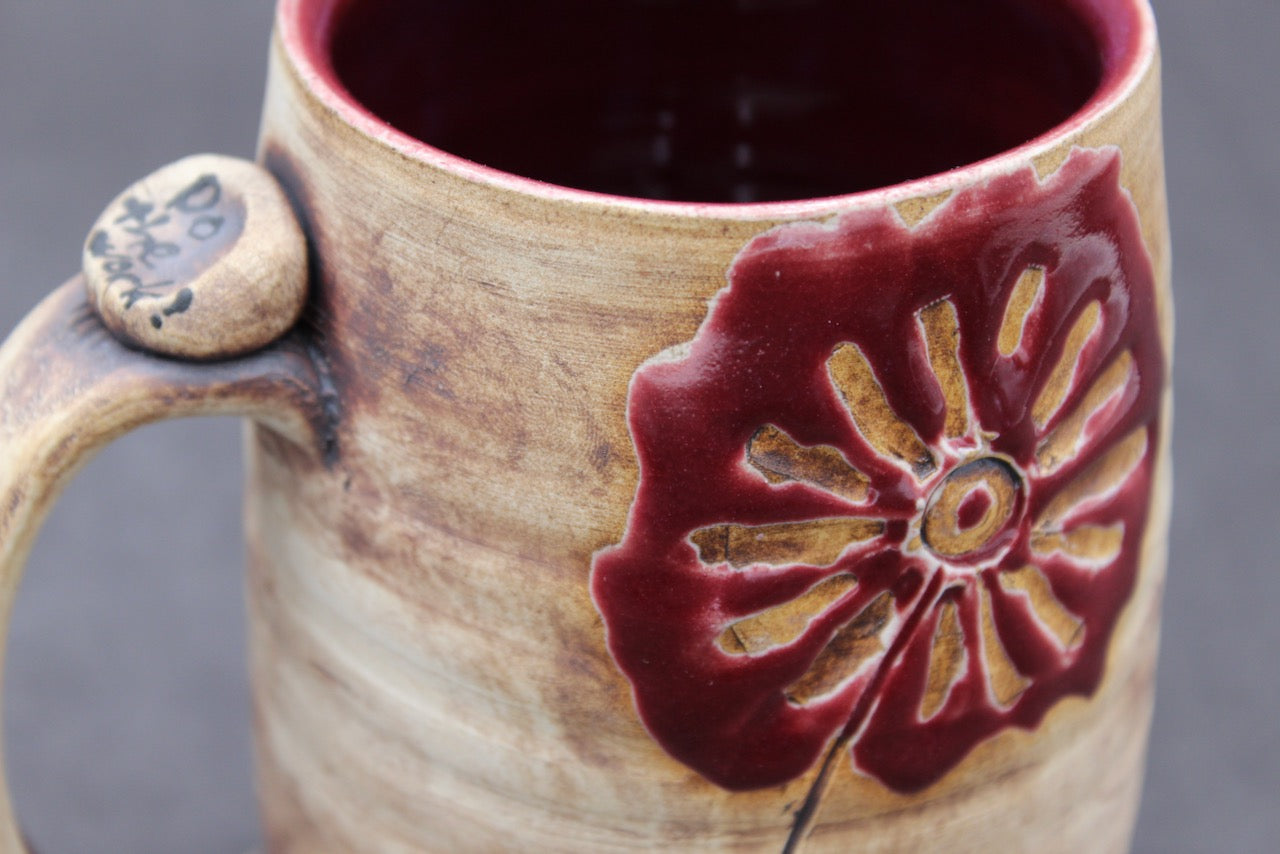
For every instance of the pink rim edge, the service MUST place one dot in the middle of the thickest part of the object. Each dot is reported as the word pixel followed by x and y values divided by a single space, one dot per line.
pixel 1124 28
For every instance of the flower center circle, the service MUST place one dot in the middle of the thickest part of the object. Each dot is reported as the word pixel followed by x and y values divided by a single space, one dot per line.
pixel 970 513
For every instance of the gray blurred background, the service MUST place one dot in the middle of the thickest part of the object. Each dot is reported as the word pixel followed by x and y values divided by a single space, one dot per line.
pixel 126 702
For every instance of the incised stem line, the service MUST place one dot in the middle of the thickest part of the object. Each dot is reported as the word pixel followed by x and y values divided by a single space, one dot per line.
pixel 817 792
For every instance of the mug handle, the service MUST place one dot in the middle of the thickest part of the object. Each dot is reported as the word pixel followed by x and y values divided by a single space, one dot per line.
pixel 194 278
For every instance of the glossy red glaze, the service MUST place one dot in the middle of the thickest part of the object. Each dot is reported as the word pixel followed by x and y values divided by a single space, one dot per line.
pixel 972 509
pixel 795 294
pixel 718 100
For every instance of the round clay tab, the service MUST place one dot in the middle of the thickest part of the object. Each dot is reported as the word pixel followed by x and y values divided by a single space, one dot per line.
pixel 202 259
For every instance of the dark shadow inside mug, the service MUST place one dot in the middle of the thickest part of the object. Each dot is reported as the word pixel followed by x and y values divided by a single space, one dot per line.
pixel 720 100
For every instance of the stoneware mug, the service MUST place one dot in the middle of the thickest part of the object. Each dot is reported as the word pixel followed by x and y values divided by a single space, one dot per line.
pixel 724 426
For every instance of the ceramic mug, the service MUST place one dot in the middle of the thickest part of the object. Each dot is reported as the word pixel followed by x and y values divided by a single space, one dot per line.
pixel 725 426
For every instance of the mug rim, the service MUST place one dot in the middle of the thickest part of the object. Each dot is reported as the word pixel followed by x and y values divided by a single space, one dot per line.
pixel 1124 29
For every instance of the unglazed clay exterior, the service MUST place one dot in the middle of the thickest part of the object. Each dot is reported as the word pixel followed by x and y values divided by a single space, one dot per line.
pixel 585 524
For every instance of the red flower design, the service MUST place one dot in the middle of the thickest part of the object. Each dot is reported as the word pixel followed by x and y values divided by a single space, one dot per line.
pixel 893 493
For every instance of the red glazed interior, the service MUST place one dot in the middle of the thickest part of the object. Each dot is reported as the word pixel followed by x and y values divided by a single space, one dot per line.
pixel 720 100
